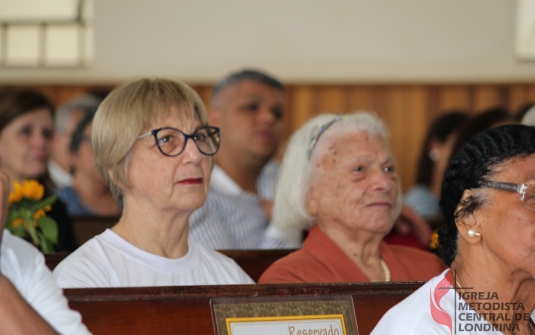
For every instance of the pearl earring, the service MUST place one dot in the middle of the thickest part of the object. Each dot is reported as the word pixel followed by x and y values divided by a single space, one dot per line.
pixel 472 233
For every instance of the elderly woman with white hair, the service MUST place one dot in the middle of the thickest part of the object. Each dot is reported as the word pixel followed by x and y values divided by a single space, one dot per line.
pixel 338 178
pixel 154 147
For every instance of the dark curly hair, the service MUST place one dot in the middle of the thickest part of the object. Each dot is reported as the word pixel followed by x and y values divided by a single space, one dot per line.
pixel 475 161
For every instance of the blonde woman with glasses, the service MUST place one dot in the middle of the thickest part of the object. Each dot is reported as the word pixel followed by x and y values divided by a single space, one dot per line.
pixel 154 147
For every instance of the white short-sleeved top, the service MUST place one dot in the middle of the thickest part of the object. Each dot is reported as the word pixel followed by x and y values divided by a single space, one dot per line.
pixel 107 260
pixel 25 267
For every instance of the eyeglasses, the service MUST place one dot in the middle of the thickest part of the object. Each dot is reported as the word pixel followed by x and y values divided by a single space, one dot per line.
pixel 172 142
pixel 317 135
pixel 526 191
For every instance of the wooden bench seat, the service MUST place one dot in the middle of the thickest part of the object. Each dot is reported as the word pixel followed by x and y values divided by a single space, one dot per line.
pixel 186 309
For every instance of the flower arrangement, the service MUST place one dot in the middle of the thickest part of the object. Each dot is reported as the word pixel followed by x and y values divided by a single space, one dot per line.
pixel 26 216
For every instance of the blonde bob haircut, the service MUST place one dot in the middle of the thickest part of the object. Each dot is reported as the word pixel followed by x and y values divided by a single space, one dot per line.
pixel 290 213
pixel 128 112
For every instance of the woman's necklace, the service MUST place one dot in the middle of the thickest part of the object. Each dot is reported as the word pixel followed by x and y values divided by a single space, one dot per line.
pixel 385 270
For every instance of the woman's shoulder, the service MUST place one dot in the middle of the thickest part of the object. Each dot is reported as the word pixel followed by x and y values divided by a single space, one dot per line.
pixel 296 267
pixel 85 267
pixel 422 201
pixel 413 316
pixel 17 252
pixel 223 267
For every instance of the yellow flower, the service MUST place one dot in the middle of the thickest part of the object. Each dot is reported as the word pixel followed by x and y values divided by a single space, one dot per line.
pixel 39 214
pixel 31 189
pixel 16 194
pixel 17 222
pixel 433 243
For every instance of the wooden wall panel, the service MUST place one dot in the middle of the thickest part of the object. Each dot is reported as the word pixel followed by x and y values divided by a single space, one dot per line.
pixel 488 96
pixel 453 98
pixel 331 99
pixel 406 109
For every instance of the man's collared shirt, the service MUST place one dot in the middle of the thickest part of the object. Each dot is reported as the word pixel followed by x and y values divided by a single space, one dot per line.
pixel 232 218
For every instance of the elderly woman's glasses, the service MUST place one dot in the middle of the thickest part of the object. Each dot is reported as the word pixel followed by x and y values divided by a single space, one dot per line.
pixel 526 191
pixel 172 142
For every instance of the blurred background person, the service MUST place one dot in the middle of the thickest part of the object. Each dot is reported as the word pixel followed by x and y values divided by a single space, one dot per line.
pixel 338 178
pixel 153 145
pixel 529 117
pixel 434 158
pixel 248 106
pixel 67 117
pixel 488 240
pixel 89 194
pixel 489 118
pixel 522 111
pixel 26 127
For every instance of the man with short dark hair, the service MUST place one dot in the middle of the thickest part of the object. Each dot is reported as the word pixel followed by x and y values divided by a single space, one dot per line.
pixel 248 107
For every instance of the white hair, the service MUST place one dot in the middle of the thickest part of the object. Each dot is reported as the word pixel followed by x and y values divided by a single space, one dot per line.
pixel 290 213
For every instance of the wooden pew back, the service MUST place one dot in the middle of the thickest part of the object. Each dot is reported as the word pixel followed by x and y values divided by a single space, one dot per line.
pixel 186 309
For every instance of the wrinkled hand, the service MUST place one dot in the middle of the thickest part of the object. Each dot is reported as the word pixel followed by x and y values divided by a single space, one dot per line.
pixel 408 220
pixel 267 206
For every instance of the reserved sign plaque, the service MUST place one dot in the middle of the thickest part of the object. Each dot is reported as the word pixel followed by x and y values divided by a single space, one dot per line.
pixel 315 315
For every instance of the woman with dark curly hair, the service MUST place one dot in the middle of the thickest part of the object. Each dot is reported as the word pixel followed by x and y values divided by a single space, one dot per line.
pixel 488 240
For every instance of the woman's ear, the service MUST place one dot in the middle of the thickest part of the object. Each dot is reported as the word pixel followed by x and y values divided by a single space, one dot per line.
pixel 434 149
pixel 114 180
pixel 311 202
pixel 468 224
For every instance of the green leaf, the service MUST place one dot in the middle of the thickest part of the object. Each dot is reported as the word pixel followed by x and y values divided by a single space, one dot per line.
pixel 46 246
pixel 12 215
pixel 49 228
pixel 32 231
pixel 17 231
pixel 45 202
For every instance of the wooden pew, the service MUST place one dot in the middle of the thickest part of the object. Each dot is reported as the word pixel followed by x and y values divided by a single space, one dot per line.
pixel 253 262
pixel 86 227
pixel 186 309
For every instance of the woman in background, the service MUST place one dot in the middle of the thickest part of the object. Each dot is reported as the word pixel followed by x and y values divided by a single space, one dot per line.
pixel 89 195
pixel 26 126
pixel 435 155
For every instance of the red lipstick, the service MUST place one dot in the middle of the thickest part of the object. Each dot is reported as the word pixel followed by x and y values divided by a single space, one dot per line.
pixel 191 181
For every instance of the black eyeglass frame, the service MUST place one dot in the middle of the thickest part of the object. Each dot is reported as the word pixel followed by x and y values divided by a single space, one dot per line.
pixel 186 136
pixel 509 187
